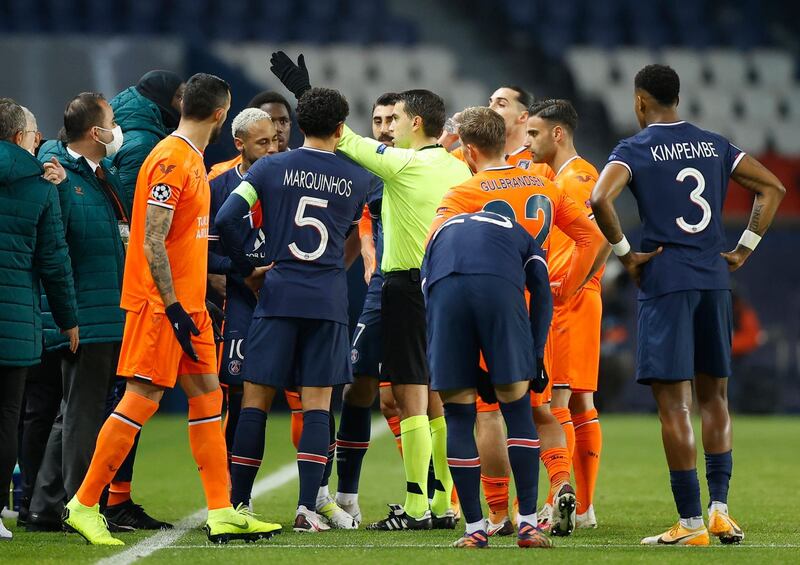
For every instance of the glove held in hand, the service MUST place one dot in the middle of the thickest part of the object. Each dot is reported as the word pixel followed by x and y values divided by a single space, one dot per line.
pixel 184 328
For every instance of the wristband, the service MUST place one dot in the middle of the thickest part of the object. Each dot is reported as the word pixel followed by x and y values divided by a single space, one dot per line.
pixel 750 239
pixel 622 247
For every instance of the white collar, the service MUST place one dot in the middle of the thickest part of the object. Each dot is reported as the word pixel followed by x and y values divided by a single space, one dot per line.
pixel 564 166
pixel 187 140
pixel 500 168
pixel 517 151
pixel 238 170
pixel 664 125
pixel 94 166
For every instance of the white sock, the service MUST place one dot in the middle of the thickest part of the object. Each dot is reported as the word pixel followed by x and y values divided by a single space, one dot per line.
pixel 529 518
pixel 718 506
pixel 473 527
pixel 4 533
pixel 692 523
pixel 347 498
pixel 322 494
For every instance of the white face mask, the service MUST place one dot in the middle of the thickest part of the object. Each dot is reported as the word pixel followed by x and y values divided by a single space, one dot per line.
pixel 113 145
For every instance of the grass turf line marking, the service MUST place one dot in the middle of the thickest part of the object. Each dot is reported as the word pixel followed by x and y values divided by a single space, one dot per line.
pixel 165 538
pixel 277 545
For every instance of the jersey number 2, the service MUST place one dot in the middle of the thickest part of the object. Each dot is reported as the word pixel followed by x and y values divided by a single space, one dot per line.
pixel 697 199
pixel 537 207
pixel 301 220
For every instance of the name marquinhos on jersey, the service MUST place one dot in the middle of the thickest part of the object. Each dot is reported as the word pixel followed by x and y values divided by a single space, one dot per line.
pixel 685 150
pixel 318 181
pixel 512 182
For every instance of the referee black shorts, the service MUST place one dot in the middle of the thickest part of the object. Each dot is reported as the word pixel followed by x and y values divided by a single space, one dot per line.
pixel 403 329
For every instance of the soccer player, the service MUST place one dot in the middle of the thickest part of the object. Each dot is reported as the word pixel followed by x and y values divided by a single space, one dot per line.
pixel 416 172
pixel 312 201
pixel 168 335
pixel 573 346
pixel 254 136
pixel 477 267
pixel 679 175
pixel 538 205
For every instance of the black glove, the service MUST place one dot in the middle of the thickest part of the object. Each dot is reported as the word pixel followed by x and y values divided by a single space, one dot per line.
pixel 486 388
pixel 217 319
pixel 184 328
pixel 294 77
pixel 540 380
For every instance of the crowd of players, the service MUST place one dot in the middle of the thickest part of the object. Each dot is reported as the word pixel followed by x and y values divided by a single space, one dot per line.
pixel 483 238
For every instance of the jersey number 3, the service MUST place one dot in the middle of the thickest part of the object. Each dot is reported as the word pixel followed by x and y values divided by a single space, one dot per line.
pixel 697 199
pixel 537 207
pixel 301 220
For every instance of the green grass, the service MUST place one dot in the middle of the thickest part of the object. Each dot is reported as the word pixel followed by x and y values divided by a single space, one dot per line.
pixel 633 500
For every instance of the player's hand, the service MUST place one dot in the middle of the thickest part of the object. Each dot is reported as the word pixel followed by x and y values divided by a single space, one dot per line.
pixel 540 380
pixel 634 263
pixel 737 257
pixel 218 284
pixel 74 338
pixel 217 319
pixel 368 256
pixel 293 76
pixel 54 172
pixel 255 280
pixel 184 328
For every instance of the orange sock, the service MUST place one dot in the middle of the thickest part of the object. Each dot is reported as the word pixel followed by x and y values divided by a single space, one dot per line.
pixel 394 425
pixel 586 460
pixel 119 492
pixel 495 489
pixel 454 498
pixel 556 461
pixel 208 447
pixel 297 427
pixel 113 444
pixel 565 419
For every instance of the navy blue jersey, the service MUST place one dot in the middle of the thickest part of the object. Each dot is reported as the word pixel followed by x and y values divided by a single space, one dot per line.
pixel 372 301
pixel 679 177
pixel 311 200
pixel 240 302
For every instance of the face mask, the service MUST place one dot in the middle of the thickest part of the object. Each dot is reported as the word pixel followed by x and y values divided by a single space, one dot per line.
pixel 113 145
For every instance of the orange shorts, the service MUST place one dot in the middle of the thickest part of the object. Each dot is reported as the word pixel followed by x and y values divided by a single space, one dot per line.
pixel 572 353
pixel 293 400
pixel 150 352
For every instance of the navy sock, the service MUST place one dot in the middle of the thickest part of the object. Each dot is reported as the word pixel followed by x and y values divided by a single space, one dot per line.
pixel 523 451
pixel 247 452
pixel 232 420
pixel 462 457
pixel 351 446
pixel 686 491
pixel 312 455
pixel 719 467
pixel 326 475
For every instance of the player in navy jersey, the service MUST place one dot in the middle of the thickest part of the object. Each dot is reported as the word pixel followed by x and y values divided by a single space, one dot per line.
pixel 255 136
pixel 678 174
pixel 476 270
pixel 311 201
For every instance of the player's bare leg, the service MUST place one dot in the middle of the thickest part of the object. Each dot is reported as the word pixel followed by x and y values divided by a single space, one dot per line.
pixel 495 470
pixel 391 413
pixel 712 400
pixel 559 517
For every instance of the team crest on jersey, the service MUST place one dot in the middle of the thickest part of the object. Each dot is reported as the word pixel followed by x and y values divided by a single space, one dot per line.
pixel 354 355
pixel 524 164
pixel 381 148
pixel 166 169
pixel 161 192
pixel 235 367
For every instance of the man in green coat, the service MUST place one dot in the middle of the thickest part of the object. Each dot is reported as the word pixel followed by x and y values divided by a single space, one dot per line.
pixel 32 237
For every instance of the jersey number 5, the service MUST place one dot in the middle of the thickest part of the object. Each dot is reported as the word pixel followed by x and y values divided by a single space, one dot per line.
pixel 537 207
pixel 301 220
pixel 697 199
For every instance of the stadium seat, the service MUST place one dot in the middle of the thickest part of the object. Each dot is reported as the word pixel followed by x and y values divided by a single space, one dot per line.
pixel 465 94
pixel 786 137
pixel 687 64
pixel 619 105
pixel 435 65
pixel 775 69
pixel 760 105
pixel 716 107
pixel 750 136
pixel 629 61
pixel 790 104
pixel 729 68
pixel 591 69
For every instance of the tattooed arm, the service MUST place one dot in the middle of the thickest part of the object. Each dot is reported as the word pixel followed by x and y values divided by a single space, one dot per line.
pixel 769 192
pixel 157 222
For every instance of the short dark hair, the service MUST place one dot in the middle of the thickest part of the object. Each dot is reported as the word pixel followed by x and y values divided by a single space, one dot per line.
pixel 523 96
pixel 557 110
pixel 320 111
pixel 82 112
pixel 484 128
pixel 269 97
pixel 12 119
pixel 428 106
pixel 386 99
pixel 204 94
pixel 661 82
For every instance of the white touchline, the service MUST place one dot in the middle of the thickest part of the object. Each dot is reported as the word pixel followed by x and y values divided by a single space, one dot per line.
pixel 165 538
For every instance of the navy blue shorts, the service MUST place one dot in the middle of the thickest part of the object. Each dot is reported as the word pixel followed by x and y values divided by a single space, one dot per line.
pixel 231 360
pixel 684 333
pixel 366 351
pixel 291 352
pixel 468 314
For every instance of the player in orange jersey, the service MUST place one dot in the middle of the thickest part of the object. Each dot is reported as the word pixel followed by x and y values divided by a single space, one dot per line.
pixel 538 205
pixel 573 346
pixel 168 335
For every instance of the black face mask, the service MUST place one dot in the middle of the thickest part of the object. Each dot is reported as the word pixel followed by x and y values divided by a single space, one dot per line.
pixel 159 87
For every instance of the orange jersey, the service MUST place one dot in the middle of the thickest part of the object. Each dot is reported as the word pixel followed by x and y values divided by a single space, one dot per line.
pixel 173 177
pixel 577 178
pixel 519 158
pixel 223 167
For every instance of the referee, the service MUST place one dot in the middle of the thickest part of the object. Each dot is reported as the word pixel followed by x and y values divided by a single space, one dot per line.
pixel 416 173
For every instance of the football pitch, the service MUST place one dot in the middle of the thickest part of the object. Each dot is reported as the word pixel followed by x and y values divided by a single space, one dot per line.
pixel 633 500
